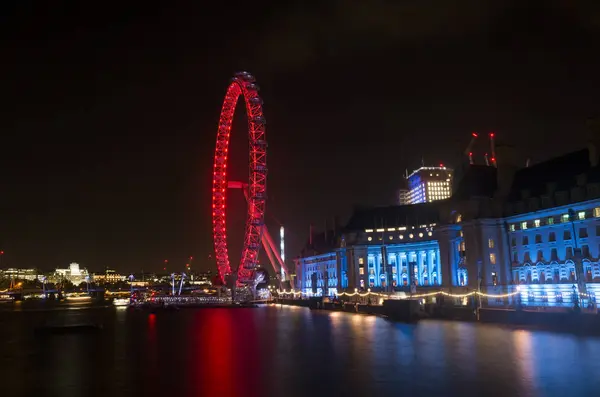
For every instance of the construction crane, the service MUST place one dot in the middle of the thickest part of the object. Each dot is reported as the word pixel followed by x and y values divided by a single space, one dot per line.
pixel 493 147
pixel 469 149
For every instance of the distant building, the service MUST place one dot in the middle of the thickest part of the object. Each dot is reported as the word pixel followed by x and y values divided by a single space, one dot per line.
pixel 429 184
pixel 21 274
pixel 403 197
pixel 109 276
pixel 73 273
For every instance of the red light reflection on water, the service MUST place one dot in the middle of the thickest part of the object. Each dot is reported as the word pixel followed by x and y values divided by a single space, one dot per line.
pixel 226 354
pixel 152 351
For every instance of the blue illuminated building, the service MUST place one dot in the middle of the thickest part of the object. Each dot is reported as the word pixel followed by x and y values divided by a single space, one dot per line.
pixel 506 229
pixel 428 184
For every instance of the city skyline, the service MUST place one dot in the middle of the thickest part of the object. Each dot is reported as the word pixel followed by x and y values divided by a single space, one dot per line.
pixel 112 119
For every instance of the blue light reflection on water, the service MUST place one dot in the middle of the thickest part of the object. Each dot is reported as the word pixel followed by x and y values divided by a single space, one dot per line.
pixel 287 351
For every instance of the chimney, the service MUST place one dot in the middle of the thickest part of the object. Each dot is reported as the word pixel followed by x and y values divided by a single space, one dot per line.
pixel 507 167
pixel 593 126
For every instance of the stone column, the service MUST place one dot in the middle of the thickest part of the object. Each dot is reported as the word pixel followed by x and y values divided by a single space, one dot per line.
pixel 438 266
pixel 420 266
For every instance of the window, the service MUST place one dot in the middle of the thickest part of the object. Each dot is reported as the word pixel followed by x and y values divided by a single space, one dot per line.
pixel 583 232
pixel 361 270
pixel 361 260
pixel 523 225
pixel 597 212
pixel 494 278
pixel 458 218
pixel 552 237
pixel 564 218
pixel 553 254
pixel 369 238
pixel 515 257
pixel 536 223
pixel 527 257
pixel 525 240
pixel 491 243
pixel 540 255
pixel 551 220
pixel 567 235
pixel 569 254
pixel 538 238
pixel 585 251
pixel 512 227
pixel 513 242
pixel 492 258
pixel 581 215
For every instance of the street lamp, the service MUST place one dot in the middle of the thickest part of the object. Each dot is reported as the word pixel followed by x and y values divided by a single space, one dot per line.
pixel 131 278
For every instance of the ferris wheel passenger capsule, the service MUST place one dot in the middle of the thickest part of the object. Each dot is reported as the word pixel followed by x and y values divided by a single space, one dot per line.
pixel 259 120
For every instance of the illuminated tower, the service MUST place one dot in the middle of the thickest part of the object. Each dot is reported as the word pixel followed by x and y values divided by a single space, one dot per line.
pixel 282 250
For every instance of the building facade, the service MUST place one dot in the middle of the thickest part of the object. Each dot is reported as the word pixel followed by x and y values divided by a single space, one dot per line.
pixel 109 276
pixel 403 197
pixel 532 233
pixel 428 184
pixel 73 273
pixel 21 274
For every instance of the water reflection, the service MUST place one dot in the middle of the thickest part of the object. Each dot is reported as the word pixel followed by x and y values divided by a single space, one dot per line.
pixel 282 351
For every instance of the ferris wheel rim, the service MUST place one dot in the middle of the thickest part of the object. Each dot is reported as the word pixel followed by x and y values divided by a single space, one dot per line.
pixel 242 84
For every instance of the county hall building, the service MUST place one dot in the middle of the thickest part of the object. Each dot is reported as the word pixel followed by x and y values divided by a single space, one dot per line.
pixel 505 228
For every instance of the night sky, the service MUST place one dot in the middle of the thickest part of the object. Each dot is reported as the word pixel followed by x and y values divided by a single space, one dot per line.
pixel 109 114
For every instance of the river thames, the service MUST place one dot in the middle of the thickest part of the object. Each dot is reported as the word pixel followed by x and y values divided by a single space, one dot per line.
pixel 287 351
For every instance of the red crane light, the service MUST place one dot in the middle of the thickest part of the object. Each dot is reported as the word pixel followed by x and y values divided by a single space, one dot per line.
pixel 474 134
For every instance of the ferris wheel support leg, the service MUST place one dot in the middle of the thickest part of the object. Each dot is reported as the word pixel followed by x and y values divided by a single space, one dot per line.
pixel 269 252
pixel 275 251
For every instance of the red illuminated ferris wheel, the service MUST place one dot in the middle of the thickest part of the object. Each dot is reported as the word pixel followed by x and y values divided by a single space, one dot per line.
pixel 243 84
